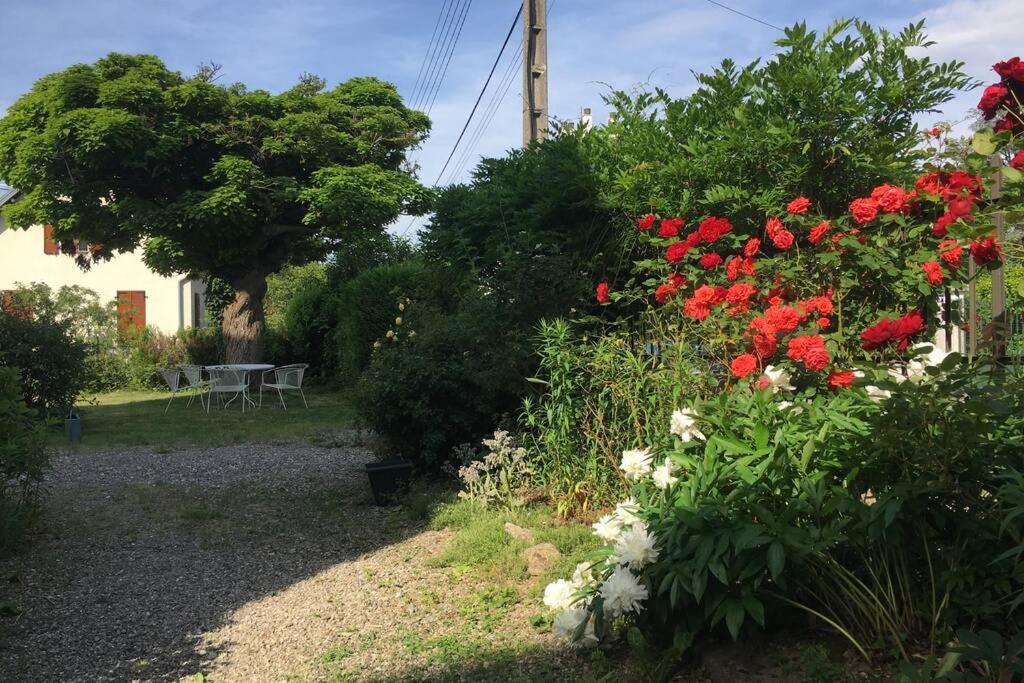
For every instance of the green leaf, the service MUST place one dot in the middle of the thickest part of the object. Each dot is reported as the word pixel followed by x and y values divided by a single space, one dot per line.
pixel 983 143
pixel 1011 175
pixel 776 559
pixel 734 615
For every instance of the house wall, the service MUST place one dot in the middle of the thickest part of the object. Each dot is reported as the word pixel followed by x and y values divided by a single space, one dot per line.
pixel 169 300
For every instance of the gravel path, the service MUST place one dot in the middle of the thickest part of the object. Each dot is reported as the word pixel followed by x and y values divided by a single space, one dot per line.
pixel 242 563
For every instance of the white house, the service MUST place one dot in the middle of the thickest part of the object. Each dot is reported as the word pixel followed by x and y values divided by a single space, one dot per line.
pixel 143 298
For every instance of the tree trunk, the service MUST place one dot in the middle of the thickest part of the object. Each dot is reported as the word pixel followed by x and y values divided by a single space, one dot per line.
pixel 244 321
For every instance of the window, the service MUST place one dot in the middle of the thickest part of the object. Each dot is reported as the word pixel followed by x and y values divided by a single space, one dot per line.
pixel 81 246
pixel 131 311
pixel 197 309
pixel 50 246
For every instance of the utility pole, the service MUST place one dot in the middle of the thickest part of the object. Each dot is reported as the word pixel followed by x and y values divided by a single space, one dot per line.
pixel 535 70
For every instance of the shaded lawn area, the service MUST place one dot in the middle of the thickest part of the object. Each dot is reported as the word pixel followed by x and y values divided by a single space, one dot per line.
pixel 136 418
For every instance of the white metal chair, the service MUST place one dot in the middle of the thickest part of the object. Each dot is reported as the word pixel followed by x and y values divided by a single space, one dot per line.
pixel 227 381
pixel 196 384
pixel 286 378
pixel 173 378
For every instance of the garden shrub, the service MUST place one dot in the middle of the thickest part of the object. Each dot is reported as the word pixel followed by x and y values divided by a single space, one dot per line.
pixel 50 358
pixel 440 380
pixel 23 460
pixel 366 305
pixel 308 320
pixel 845 467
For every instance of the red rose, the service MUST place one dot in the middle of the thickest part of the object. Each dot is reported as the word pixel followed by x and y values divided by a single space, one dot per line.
pixel 906 327
pixel 817 358
pixel 942 224
pixel 749 266
pixel 960 208
pixel 753 244
pixel 772 226
pixel 782 319
pixel 798 205
pixel 890 198
pixel 677 280
pixel 877 335
pixel 817 304
pixel 783 239
pixel 670 227
pixel 711 228
pixel 818 231
pixel 696 309
pixel 663 293
pixel 992 99
pixel 932 272
pixel 950 251
pixel 676 252
pixel 732 268
pixel 864 210
pixel 1007 123
pixel 602 293
pixel 692 240
pixel 1017 161
pixel 1012 69
pixel 763 382
pixel 840 379
pixel 985 250
pixel 645 222
pixel 743 364
pixel 823 323
pixel 766 345
pixel 708 295
pixel 929 182
pixel 959 181
pixel 935 132
pixel 710 260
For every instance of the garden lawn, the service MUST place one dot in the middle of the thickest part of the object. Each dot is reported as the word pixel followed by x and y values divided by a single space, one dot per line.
pixel 137 418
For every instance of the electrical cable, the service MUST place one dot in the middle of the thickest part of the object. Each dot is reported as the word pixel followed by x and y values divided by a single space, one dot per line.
pixel 742 14
pixel 469 119
pixel 451 52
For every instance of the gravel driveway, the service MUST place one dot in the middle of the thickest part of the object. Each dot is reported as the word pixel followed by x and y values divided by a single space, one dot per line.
pixel 161 565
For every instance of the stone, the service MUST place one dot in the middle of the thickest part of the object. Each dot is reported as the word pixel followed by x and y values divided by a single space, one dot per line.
pixel 539 557
pixel 519 533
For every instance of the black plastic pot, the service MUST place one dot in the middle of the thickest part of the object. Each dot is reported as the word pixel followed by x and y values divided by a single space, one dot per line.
pixel 388 478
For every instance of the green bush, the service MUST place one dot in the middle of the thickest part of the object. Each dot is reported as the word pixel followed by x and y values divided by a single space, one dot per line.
pixel 443 381
pixel 23 460
pixel 50 358
pixel 365 308
pixel 142 353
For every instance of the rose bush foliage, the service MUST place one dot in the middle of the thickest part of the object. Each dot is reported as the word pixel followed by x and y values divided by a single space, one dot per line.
pixel 841 444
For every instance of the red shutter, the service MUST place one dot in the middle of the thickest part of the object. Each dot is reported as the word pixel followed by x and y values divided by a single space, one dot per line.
pixel 49 246
pixel 131 311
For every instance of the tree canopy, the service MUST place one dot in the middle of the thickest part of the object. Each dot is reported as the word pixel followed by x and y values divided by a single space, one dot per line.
pixel 210 179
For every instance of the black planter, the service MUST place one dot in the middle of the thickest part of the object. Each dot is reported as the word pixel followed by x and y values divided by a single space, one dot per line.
pixel 388 478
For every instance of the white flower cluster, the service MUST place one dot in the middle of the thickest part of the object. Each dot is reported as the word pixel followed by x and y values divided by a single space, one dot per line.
pixel 633 547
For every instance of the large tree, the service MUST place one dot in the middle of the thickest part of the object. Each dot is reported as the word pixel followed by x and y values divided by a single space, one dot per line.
pixel 210 179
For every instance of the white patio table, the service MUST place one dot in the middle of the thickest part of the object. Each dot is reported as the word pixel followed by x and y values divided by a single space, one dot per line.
pixel 248 369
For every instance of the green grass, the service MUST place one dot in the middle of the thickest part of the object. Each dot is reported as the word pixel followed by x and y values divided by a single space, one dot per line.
pixel 481 545
pixel 136 418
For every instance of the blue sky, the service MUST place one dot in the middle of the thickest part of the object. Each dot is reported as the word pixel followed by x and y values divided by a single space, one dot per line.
pixel 591 43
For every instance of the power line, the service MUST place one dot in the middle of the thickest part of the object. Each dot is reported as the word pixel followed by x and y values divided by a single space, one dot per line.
pixel 451 51
pixel 493 105
pixel 497 99
pixel 439 47
pixel 430 46
pixel 511 30
pixel 742 14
